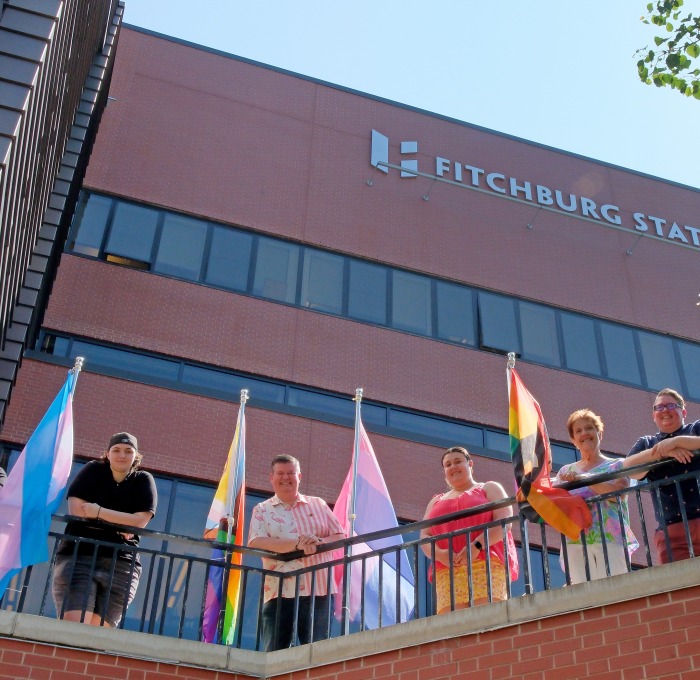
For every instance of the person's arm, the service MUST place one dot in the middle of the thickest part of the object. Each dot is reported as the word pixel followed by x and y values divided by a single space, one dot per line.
pixel 494 492
pixel 81 508
pixel 277 545
pixel 441 554
pixel 670 449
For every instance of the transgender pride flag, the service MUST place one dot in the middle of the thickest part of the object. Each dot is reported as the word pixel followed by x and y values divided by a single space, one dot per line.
pixel 226 521
pixel 373 509
pixel 35 486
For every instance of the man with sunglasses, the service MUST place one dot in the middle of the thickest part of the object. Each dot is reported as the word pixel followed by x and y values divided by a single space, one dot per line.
pixel 676 440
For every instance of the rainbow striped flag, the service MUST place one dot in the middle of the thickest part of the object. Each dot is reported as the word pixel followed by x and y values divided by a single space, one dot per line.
pixel 226 522
pixel 35 487
pixel 532 464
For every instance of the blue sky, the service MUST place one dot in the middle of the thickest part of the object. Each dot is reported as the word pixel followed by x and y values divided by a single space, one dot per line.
pixel 561 74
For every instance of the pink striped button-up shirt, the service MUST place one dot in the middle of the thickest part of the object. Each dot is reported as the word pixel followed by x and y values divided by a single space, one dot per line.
pixel 308 515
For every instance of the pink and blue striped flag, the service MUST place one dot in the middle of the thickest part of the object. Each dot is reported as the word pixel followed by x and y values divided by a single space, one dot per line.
pixel 226 522
pixel 374 512
pixel 35 487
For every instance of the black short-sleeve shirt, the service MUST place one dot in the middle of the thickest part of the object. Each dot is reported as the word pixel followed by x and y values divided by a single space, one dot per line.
pixel 95 484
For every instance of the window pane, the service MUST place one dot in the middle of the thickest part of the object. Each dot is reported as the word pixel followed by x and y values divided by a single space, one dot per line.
pixel 322 403
pixel 232 384
pixel 580 347
pixel 562 455
pixel 498 327
pixel 367 292
pixel 436 428
pixel 140 364
pixel 690 360
pixel 455 313
pixel 90 222
pixel 322 281
pixel 276 270
pixel 497 441
pixel 132 232
pixel 229 259
pixel 659 361
pixel 181 247
pixel 411 303
pixel 620 353
pixel 539 330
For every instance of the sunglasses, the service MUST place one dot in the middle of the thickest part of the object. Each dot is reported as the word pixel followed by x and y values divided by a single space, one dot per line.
pixel 667 407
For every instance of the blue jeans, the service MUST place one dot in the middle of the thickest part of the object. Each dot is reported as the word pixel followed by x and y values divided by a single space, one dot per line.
pixel 277 632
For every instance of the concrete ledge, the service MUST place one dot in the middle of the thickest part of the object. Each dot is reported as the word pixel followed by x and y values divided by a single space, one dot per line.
pixel 642 583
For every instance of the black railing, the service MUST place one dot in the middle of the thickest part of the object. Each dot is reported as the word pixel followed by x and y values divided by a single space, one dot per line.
pixel 171 594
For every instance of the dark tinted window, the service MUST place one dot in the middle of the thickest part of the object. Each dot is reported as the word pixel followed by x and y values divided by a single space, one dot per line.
pixel 132 233
pixel 455 313
pixel 539 331
pixel 90 222
pixel 659 361
pixel 276 270
pixel 690 360
pixel 620 353
pixel 580 346
pixel 229 259
pixel 411 303
pixel 367 292
pixel 499 329
pixel 322 281
pixel 181 247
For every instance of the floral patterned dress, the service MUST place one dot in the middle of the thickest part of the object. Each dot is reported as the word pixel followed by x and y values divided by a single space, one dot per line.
pixel 609 509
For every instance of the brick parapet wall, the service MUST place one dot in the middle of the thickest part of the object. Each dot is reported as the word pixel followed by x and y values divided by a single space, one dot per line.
pixel 604 630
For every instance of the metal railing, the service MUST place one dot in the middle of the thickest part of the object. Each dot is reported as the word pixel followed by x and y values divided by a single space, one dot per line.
pixel 171 594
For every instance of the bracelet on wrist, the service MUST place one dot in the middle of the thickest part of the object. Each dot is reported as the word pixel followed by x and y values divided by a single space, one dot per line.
pixel 478 546
pixel 99 509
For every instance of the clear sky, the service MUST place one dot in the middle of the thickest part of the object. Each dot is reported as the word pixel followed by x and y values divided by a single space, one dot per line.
pixel 557 73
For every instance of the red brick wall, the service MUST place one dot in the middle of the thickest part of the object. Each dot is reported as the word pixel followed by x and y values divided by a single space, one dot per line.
pixel 20 659
pixel 649 638
pixel 217 137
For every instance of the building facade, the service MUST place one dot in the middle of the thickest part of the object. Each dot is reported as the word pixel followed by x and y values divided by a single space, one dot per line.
pixel 245 227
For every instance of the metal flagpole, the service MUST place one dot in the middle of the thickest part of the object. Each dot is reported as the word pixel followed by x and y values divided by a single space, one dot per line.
pixel 351 507
pixel 77 367
pixel 233 470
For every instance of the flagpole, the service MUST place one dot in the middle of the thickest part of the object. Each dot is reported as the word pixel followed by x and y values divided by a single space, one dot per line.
pixel 77 367
pixel 355 458
pixel 351 508
pixel 232 473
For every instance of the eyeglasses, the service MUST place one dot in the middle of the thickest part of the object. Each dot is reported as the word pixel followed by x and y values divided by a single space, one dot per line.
pixel 668 407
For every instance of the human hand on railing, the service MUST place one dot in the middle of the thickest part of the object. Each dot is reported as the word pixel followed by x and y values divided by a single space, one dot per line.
pixel 570 476
pixel 308 543
pixel 668 449
pixel 459 558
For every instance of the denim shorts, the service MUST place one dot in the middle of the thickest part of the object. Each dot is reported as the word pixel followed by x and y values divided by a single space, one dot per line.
pixel 80 586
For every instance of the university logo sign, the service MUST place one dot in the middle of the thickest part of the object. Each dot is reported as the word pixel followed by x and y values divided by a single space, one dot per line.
pixel 498 183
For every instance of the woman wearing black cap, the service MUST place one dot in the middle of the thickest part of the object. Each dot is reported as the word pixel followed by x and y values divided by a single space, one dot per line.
pixel 94 582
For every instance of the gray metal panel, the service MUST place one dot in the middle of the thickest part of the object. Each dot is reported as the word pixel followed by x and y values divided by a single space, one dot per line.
pixel 22 46
pixel 31 24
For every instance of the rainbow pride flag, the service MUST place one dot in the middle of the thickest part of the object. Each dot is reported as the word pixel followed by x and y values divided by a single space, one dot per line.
pixel 226 522
pixel 35 487
pixel 374 512
pixel 532 464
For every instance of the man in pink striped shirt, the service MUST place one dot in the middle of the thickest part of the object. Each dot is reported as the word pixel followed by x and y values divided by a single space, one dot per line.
pixel 285 523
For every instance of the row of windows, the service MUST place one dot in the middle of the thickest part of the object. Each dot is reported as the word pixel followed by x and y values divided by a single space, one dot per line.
pixel 197 250
pixel 299 400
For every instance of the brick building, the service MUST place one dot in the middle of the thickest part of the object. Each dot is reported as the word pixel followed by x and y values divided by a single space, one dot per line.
pixel 245 227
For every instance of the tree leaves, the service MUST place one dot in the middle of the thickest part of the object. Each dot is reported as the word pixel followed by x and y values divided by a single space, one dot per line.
pixel 672 64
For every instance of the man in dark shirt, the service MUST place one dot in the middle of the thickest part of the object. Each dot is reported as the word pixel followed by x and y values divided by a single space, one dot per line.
pixel 676 440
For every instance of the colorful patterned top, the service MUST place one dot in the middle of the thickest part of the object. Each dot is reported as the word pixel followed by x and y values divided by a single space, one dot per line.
pixel 609 508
